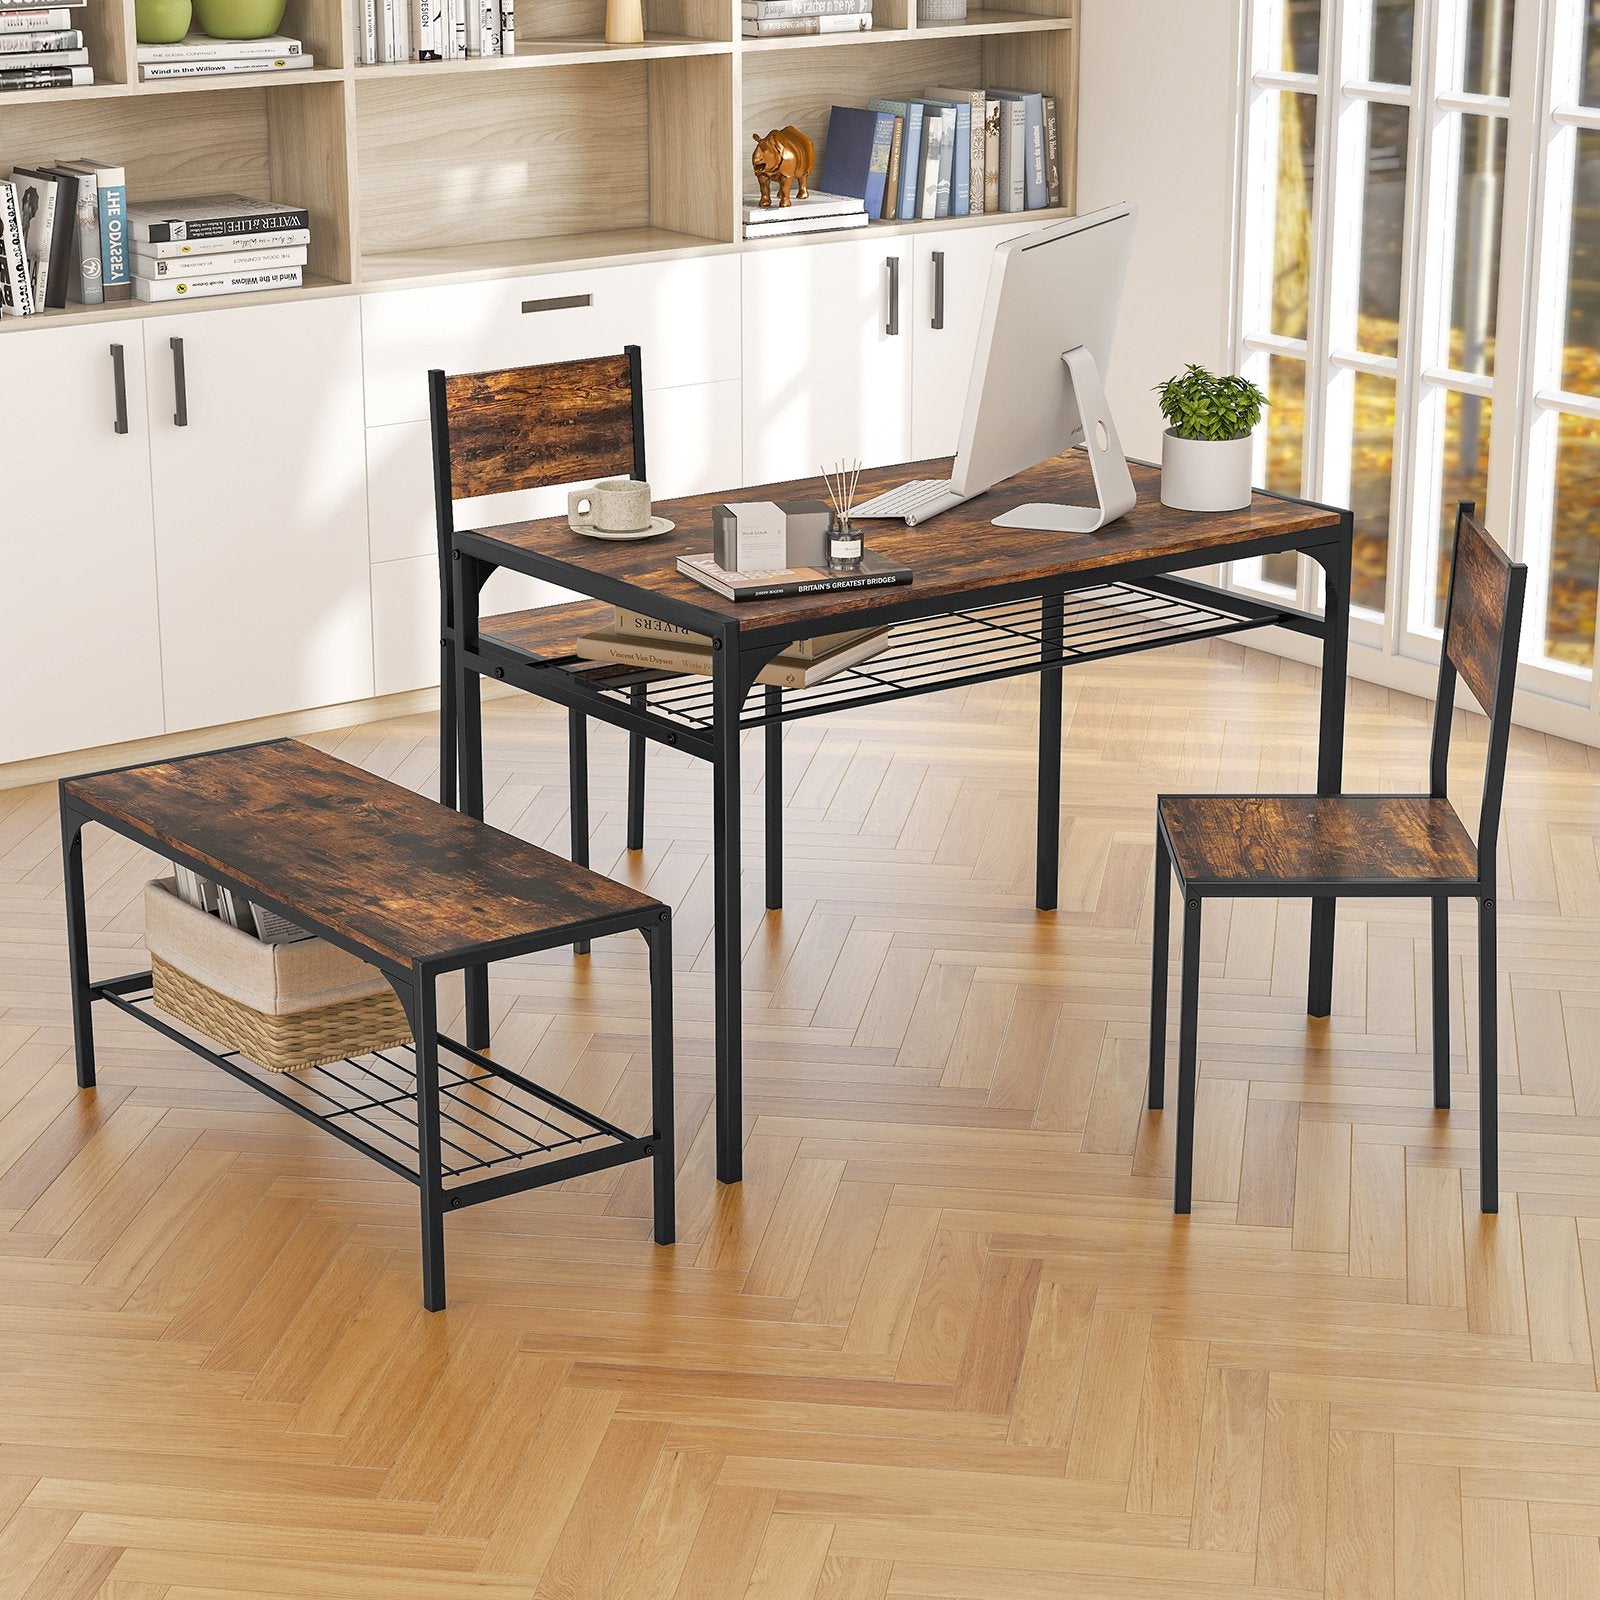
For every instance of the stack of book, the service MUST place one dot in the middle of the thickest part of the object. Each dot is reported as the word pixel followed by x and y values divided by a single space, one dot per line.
pixel 63 237
pixel 219 244
pixel 41 47
pixel 199 56
pixel 433 30
pixel 768 19
pixel 817 213
pixel 635 640
pixel 948 153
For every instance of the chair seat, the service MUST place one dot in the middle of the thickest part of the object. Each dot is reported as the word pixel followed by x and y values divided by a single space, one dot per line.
pixel 1381 842
pixel 548 631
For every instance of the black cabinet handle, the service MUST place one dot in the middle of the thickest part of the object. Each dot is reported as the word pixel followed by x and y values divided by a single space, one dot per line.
pixel 938 289
pixel 180 386
pixel 119 389
pixel 891 320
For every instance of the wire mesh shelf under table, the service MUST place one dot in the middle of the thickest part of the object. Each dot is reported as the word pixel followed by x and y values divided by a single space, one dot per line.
pixel 965 647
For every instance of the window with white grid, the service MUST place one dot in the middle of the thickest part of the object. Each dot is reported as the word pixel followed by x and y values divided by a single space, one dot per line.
pixel 1418 290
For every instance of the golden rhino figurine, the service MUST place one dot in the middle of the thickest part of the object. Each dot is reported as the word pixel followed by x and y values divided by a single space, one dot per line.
pixel 786 155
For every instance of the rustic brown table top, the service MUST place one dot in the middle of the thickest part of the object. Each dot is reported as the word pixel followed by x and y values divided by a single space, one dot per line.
pixel 386 869
pixel 954 557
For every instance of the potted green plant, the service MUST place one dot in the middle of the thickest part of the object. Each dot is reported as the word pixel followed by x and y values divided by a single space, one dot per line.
pixel 1206 451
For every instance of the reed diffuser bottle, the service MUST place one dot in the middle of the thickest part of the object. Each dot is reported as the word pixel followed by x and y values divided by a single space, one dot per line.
pixel 844 536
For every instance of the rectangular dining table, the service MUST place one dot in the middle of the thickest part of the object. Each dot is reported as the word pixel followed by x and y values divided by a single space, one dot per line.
pixel 984 603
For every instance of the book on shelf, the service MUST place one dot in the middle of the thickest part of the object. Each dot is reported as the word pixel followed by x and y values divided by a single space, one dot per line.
pixel 111 224
pixel 830 22
pixel 46 20
pixel 1036 191
pixel 1013 147
pixel 197 47
pixel 818 203
pixel 217 216
pixel 782 225
pixel 234 262
pixel 975 103
pixel 636 625
pixel 61 46
pixel 222 283
pixel 876 571
pixel 17 79
pixel 508 27
pixel 933 161
pixel 763 10
pixel 692 653
pixel 195 249
pixel 1052 152
pixel 160 70
pixel 891 186
pixel 991 154
pixel 33 61
pixel 37 194
pixel 16 281
pixel 960 151
pixel 427 30
pixel 910 113
pixel 83 280
pixel 855 156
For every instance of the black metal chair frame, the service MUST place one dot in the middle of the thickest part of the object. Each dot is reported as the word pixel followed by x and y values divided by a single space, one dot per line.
pixel 577 722
pixel 1440 891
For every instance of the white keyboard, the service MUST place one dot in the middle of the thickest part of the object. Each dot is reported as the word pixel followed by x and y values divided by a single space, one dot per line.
pixel 898 502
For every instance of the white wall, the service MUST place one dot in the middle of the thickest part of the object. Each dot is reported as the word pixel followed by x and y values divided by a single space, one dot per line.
pixel 1156 112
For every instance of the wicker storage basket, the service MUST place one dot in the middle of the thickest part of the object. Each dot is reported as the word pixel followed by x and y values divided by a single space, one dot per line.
pixel 280 1006
pixel 941 10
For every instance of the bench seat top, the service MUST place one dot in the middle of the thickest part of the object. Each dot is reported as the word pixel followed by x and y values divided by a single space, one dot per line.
pixel 401 877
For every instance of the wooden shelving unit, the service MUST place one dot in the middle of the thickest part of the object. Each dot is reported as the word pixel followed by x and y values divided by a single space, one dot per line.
pixel 570 152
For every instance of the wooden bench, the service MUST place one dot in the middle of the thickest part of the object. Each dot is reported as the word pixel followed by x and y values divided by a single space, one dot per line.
pixel 417 890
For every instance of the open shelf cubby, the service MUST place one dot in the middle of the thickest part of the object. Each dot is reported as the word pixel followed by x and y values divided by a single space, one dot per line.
pixel 569 151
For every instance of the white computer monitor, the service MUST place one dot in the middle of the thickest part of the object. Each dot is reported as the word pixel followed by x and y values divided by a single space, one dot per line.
pixel 1044 345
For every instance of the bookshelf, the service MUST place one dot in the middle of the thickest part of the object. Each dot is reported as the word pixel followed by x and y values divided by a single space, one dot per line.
pixel 571 152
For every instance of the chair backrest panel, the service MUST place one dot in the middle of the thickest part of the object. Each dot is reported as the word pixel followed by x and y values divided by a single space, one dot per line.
pixel 1482 631
pixel 529 427
pixel 1480 590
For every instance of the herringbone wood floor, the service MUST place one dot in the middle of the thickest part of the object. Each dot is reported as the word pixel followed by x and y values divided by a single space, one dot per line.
pixel 947 1340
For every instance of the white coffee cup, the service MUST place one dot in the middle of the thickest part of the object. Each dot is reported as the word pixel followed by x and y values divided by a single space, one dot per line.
pixel 614 505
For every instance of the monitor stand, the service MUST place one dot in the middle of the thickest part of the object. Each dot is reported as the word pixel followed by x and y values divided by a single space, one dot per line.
pixel 1113 486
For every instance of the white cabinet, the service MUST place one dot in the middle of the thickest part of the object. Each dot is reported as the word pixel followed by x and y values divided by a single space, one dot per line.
pixel 682 314
pixel 257 460
pixel 79 649
pixel 827 364
pixel 950 276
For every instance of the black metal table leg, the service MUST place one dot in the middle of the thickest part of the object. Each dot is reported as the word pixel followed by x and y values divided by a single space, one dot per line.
pixel 1047 862
pixel 1188 1035
pixel 1440 957
pixel 663 1159
pixel 578 797
pixel 1158 975
pixel 78 947
pixel 774 799
pixel 1335 563
pixel 423 1010
pixel 1488 1061
pixel 727 697
pixel 467 575
pixel 636 760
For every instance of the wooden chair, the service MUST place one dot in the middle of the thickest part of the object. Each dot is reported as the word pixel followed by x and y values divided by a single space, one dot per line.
pixel 530 428
pixel 1321 845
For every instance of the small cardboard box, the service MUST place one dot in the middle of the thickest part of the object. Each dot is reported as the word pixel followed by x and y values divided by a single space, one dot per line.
pixel 806 524
pixel 749 537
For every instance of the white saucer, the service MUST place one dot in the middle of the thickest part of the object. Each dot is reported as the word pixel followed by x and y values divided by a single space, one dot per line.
pixel 657 525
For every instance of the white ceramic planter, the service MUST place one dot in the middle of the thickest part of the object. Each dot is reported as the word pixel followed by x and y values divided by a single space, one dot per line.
pixel 1205 474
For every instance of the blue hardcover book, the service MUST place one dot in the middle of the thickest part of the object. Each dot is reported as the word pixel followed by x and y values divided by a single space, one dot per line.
pixel 855 159
pixel 116 275
pixel 1033 162
pixel 910 113
pixel 961 157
